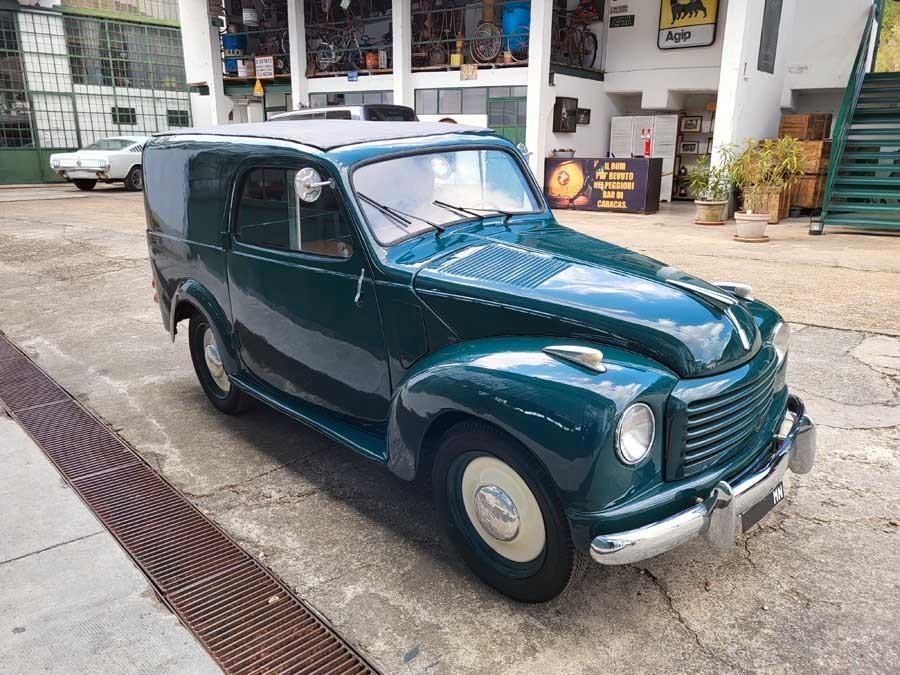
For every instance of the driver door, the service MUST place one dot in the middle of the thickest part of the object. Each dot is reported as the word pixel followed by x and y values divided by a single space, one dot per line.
pixel 302 296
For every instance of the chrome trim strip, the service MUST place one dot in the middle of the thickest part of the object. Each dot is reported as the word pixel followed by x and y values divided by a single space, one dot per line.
pixel 717 517
pixel 586 357
pixel 725 298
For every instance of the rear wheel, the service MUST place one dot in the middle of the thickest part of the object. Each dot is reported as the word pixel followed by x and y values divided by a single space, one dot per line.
pixel 502 515
pixel 84 184
pixel 134 181
pixel 208 366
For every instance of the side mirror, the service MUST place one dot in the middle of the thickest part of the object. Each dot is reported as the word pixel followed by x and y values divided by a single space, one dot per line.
pixel 308 184
pixel 524 150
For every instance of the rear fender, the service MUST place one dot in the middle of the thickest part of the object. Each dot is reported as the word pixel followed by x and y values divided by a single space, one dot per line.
pixel 197 296
pixel 564 414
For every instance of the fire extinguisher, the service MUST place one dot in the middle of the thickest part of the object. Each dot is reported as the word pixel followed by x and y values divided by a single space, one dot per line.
pixel 648 142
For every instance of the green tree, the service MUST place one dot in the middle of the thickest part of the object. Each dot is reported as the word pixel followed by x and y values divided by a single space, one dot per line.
pixel 888 60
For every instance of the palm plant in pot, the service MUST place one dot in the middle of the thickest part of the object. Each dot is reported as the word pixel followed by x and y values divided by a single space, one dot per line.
pixel 709 186
pixel 762 170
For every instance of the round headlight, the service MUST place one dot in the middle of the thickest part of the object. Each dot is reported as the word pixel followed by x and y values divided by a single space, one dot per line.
pixel 781 340
pixel 635 432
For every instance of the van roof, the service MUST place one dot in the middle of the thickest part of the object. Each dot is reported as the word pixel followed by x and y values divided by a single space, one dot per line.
pixel 331 134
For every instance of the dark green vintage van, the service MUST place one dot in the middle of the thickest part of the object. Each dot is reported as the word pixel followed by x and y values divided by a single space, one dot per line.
pixel 404 289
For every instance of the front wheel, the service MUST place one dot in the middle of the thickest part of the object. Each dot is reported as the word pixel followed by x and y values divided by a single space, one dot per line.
pixel 501 513
pixel 208 366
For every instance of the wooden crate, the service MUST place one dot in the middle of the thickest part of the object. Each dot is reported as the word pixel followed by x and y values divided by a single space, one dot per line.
pixel 779 204
pixel 807 192
pixel 816 154
pixel 806 126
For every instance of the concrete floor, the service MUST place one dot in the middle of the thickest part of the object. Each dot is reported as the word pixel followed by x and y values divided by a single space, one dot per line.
pixel 816 588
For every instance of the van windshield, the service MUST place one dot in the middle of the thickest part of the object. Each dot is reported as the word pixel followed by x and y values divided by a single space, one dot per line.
pixel 404 196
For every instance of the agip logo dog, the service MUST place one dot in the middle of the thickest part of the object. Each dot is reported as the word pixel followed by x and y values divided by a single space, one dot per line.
pixel 687 23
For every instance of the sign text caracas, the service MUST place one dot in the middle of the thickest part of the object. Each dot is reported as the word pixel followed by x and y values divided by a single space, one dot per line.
pixel 687 23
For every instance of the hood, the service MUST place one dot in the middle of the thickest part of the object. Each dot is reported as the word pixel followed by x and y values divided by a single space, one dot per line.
pixel 555 281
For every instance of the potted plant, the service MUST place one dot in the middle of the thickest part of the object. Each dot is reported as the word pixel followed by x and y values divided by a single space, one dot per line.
pixel 709 186
pixel 762 171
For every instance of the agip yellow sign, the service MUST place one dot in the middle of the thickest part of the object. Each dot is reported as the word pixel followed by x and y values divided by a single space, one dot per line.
pixel 687 23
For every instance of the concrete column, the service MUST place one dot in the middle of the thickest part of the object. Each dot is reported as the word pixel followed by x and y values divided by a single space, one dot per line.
pixel 203 63
pixel 401 28
pixel 297 40
pixel 749 100
pixel 539 112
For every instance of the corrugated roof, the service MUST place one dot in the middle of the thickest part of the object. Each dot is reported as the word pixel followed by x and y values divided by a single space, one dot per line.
pixel 330 134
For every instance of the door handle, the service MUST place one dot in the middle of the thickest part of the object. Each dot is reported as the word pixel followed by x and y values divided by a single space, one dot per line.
pixel 359 282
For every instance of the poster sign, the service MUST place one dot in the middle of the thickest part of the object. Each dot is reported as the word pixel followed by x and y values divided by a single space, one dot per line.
pixel 687 23
pixel 621 21
pixel 353 76
pixel 265 67
pixel 608 184
pixel 468 71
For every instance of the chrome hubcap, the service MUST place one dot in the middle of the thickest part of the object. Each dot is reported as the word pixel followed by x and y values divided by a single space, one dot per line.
pixel 497 513
pixel 214 362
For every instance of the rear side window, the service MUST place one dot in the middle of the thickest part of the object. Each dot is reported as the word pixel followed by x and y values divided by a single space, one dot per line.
pixel 338 115
pixel 271 215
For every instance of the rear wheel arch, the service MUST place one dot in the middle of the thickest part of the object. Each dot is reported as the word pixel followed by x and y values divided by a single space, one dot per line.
pixel 190 299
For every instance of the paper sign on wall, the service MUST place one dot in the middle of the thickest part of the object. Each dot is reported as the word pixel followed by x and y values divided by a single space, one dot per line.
pixel 265 67
pixel 687 23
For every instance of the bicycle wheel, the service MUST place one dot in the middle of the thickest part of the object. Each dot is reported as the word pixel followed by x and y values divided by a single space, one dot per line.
pixel 517 44
pixel 588 49
pixel 486 43
pixel 325 57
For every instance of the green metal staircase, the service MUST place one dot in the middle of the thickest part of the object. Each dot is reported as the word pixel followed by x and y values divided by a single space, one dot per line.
pixel 863 184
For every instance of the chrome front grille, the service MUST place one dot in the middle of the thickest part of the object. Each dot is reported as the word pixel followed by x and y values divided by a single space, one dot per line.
pixel 707 430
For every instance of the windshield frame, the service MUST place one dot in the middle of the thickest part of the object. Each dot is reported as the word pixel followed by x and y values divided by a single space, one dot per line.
pixel 516 156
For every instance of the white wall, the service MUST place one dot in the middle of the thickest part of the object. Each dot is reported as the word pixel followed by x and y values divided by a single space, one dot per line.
pixel 589 140
pixel 749 101
pixel 319 85
pixel 822 42
pixel 634 64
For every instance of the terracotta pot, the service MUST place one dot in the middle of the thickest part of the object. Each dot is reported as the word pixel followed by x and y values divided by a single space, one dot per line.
pixel 751 225
pixel 710 212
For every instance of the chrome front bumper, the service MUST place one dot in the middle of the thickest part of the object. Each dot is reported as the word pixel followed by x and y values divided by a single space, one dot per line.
pixel 717 517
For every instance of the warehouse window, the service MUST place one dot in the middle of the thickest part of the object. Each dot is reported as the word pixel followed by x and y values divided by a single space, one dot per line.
pixel 178 118
pixel 465 100
pixel 123 115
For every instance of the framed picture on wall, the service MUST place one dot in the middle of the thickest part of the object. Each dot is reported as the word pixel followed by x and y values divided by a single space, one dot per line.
pixel 688 148
pixel 584 116
pixel 692 123
pixel 565 114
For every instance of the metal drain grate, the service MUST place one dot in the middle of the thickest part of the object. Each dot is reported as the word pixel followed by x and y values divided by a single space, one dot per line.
pixel 246 618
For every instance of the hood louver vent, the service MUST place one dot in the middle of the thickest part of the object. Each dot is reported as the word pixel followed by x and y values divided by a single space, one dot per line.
pixel 506 265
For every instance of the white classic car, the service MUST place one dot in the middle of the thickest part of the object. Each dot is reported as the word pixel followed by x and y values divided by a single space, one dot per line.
pixel 113 159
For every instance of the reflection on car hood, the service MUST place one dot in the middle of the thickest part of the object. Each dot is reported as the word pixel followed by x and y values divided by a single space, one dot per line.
pixel 555 281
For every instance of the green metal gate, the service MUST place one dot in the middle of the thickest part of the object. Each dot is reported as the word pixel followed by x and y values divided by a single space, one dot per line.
pixel 506 116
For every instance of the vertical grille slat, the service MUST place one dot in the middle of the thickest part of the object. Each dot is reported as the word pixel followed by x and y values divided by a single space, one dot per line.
pixel 716 427
pixel 218 590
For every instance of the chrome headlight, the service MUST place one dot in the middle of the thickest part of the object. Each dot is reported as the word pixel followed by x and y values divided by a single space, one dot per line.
pixel 55 163
pixel 781 340
pixel 634 433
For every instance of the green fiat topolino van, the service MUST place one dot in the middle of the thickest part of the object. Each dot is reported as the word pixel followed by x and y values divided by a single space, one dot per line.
pixel 403 288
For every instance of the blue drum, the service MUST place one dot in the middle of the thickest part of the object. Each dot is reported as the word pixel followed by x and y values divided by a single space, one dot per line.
pixel 516 17
pixel 233 47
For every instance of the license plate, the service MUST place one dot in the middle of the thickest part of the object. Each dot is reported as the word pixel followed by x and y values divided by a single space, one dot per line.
pixel 755 513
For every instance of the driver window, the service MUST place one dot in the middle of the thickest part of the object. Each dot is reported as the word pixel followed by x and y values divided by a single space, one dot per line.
pixel 270 214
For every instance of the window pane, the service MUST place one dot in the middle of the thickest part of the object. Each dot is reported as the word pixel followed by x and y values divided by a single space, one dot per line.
pixel 271 215
pixel 426 101
pixel 354 98
pixel 450 101
pixel 474 100
pixel 318 100
pixel 337 115
pixel 387 97
pixel 372 97
pixel 519 92
pixel 509 112
pixel 499 92
pixel 520 112
pixel 495 114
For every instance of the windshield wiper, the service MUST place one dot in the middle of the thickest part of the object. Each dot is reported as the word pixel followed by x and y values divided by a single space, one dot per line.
pixel 400 216
pixel 472 211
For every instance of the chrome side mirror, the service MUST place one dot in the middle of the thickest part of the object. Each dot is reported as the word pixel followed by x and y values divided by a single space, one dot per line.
pixel 526 153
pixel 308 184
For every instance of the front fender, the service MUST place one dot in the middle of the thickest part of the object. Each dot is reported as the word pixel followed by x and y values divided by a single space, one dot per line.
pixel 195 294
pixel 564 414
